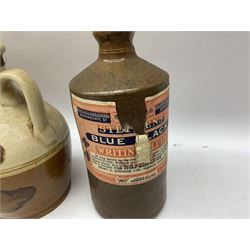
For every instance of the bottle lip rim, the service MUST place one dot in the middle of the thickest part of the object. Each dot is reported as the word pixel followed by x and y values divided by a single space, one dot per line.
pixel 116 51
pixel 99 33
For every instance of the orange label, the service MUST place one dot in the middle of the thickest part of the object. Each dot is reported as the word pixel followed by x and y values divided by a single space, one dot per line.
pixel 109 149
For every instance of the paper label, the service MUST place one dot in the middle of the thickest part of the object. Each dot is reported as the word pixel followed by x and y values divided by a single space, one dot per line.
pixel 109 149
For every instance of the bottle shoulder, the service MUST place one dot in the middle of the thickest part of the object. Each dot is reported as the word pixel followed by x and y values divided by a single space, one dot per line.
pixel 104 78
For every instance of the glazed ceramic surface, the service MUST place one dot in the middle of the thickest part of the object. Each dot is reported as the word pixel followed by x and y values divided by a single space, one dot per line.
pixel 120 90
pixel 34 148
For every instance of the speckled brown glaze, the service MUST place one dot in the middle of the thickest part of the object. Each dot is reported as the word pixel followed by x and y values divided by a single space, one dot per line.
pixel 40 190
pixel 121 76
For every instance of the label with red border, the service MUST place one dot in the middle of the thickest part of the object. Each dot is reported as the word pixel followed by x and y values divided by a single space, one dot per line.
pixel 109 149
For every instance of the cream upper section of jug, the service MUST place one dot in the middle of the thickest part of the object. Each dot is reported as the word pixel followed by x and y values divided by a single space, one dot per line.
pixel 31 131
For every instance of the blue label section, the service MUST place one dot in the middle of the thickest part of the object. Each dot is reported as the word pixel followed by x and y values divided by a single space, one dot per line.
pixel 112 141
pixel 124 141
pixel 157 132
pixel 94 116
pixel 161 106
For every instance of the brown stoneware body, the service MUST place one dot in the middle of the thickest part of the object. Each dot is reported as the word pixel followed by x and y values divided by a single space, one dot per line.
pixel 36 192
pixel 119 76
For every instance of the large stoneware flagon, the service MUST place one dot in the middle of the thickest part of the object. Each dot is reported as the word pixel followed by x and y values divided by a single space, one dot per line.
pixel 35 151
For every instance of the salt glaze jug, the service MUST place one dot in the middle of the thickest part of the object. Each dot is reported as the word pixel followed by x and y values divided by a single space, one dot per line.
pixel 35 150
pixel 120 104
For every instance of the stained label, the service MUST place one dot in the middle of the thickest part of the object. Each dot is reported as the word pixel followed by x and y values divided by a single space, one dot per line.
pixel 109 149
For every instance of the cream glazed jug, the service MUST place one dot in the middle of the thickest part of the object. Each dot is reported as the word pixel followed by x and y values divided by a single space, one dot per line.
pixel 35 150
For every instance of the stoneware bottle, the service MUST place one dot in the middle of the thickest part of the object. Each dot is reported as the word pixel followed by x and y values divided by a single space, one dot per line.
pixel 120 104
pixel 35 152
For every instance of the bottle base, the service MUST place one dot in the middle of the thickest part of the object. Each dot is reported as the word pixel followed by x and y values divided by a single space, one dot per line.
pixel 128 202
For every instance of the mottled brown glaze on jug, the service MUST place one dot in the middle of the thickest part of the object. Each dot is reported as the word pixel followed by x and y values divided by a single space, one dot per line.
pixel 126 82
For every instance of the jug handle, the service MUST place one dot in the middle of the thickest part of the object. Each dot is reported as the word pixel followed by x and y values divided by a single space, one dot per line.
pixel 41 127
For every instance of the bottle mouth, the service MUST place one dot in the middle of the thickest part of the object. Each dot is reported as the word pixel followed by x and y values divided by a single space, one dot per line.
pixel 114 42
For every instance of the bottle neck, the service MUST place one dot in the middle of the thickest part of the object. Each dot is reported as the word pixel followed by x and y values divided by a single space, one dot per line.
pixel 115 45
pixel 9 94
pixel 115 55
